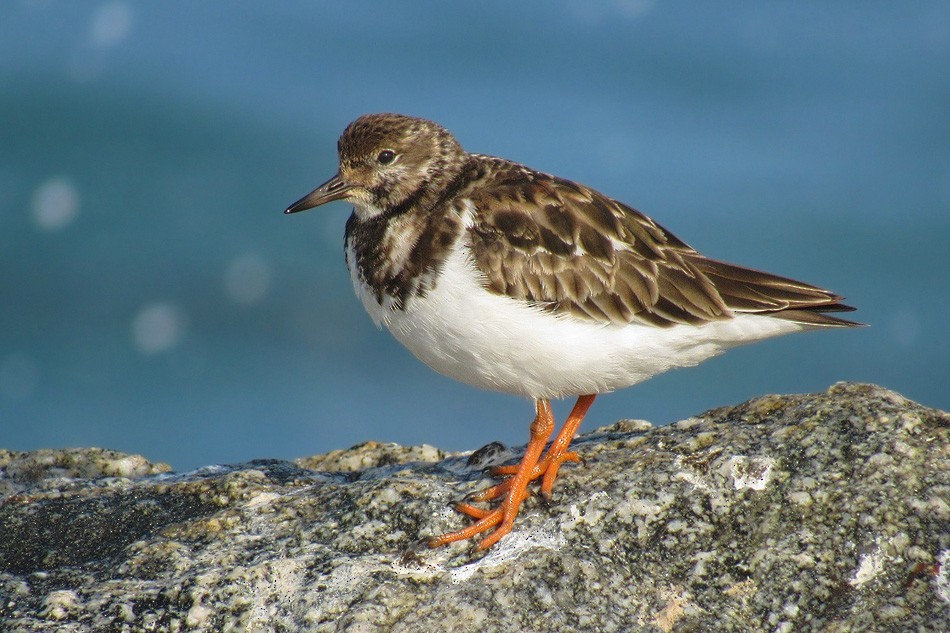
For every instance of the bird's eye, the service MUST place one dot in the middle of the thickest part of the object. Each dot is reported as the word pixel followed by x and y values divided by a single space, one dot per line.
pixel 386 156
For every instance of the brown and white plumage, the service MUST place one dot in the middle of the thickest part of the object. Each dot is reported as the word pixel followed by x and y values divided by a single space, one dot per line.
pixel 562 245
pixel 510 279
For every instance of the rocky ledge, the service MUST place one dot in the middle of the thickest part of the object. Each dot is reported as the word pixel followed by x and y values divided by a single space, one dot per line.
pixel 825 512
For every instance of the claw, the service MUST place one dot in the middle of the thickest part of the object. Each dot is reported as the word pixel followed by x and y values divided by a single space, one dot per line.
pixel 514 489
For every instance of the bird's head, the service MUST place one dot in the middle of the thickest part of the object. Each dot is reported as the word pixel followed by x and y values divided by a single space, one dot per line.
pixel 388 162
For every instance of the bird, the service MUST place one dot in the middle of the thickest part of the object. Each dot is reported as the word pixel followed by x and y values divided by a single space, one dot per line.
pixel 513 280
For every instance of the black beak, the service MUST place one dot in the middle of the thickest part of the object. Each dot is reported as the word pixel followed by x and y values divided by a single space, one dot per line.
pixel 333 189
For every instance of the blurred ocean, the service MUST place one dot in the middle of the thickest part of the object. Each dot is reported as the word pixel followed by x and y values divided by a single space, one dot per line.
pixel 154 299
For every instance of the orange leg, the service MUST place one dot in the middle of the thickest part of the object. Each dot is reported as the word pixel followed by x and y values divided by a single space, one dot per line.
pixel 558 454
pixel 515 489
pixel 548 465
pixel 506 512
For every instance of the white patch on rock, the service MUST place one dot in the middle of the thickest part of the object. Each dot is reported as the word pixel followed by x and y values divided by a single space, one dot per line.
pixel 869 566
pixel 198 614
pixel 263 498
pixel 751 472
pixel 943 575
pixel 690 476
pixel 591 513
pixel 505 554
pixel 280 579
pixel 129 466
pixel 643 513
pixel 59 604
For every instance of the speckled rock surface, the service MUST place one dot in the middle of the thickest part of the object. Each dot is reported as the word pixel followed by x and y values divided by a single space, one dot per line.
pixel 823 512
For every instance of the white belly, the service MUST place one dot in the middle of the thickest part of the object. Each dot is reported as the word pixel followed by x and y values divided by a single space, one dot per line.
pixel 490 341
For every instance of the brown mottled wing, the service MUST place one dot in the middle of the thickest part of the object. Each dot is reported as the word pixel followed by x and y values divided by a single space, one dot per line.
pixel 566 247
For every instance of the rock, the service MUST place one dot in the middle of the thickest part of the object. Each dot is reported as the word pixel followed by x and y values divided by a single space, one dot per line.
pixel 821 512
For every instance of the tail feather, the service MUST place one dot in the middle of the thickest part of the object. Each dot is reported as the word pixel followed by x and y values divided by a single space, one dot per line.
pixel 815 316
pixel 753 291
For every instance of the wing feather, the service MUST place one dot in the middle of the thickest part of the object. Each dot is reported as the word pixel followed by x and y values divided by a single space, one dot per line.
pixel 568 248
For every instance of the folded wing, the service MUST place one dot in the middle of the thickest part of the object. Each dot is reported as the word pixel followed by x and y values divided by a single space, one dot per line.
pixel 569 249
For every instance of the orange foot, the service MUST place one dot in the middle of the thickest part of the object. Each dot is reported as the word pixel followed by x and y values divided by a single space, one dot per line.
pixel 515 488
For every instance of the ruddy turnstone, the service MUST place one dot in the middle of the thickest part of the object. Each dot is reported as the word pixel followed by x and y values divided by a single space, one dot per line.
pixel 510 279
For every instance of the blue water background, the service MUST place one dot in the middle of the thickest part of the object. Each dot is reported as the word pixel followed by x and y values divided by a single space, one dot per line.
pixel 154 299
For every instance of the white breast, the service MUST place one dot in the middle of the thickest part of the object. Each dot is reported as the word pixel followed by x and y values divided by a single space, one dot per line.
pixel 468 333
